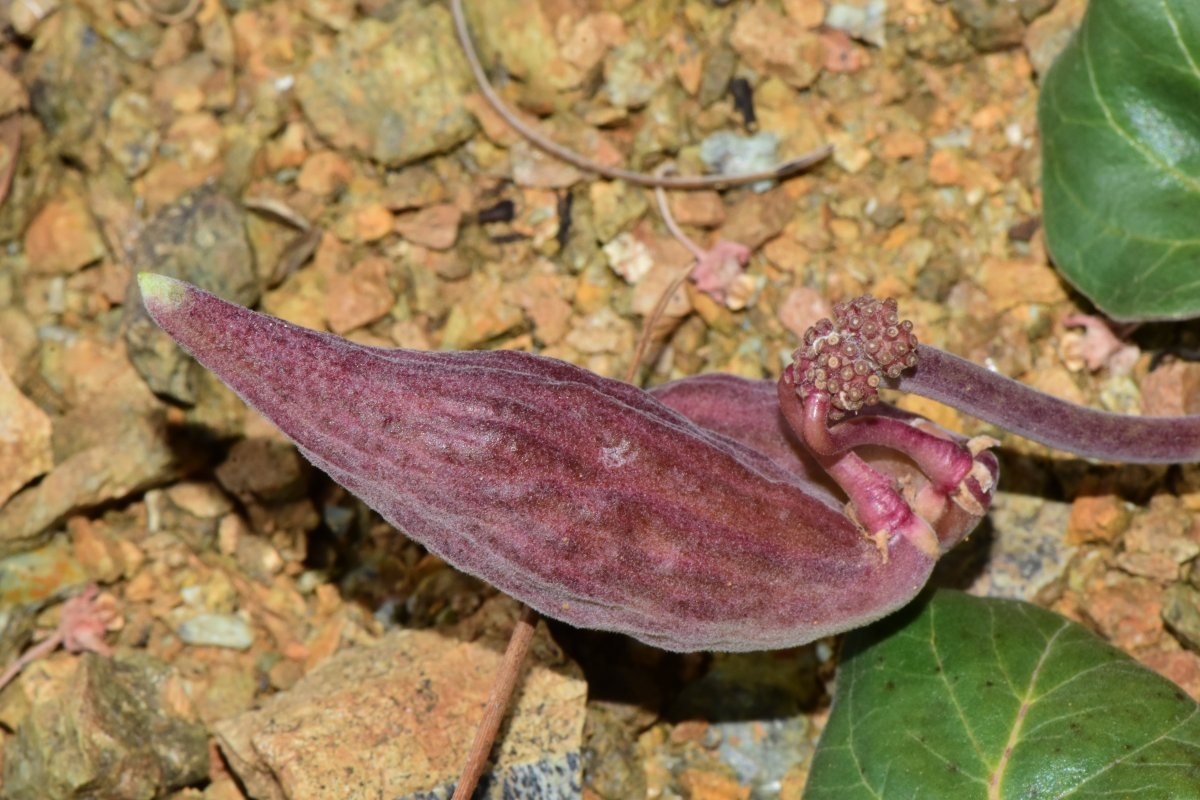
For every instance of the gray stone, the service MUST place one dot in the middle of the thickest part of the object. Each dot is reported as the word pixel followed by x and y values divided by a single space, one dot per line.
pixel 77 73
pixel 200 239
pixel 1181 612
pixel 138 456
pixel 1027 551
pixel 217 630
pixel 391 91
pixel 108 735
pixel 996 26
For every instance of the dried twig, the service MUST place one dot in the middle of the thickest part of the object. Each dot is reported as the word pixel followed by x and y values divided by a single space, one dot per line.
pixel 170 17
pixel 10 146
pixel 711 271
pixel 540 140
pixel 497 704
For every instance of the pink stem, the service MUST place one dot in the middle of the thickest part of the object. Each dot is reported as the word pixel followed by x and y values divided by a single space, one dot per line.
pixel 39 650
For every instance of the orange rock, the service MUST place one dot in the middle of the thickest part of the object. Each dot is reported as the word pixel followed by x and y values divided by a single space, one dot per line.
pixel 591 39
pixel 809 13
pixel 325 173
pixel 435 227
pixel 845 230
pixel 841 53
pixel 100 558
pixel 704 209
pixel 1019 281
pixel 1173 388
pixel 786 253
pixel 287 149
pixel 25 449
pixel 758 218
pixel 1097 518
pixel 690 731
pixel 365 223
pixel 902 144
pixel 494 126
pixel 396 718
pixel 360 296
pixel 946 168
pixel 689 60
pixel 802 308
pixel 63 237
pixel 989 118
pixel 1182 667
pixel 325 643
pixel 541 296
pixel 777 45
pixel 1155 566
pixel 699 784
pixel 1128 612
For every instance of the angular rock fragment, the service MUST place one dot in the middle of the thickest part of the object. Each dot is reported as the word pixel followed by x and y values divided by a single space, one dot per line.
pixel 395 720
pixel 109 735
pixel 25 450
pixel 201 238
pixel 391 91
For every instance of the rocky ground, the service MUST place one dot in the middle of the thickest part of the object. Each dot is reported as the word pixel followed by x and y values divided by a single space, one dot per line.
pixel 257 631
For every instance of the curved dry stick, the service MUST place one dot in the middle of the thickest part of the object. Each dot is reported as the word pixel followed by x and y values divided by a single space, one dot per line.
pixel 497 704
pixel 664 211
pixel 170 17
pixel 660 306
pixel 557 150
pixel 10 146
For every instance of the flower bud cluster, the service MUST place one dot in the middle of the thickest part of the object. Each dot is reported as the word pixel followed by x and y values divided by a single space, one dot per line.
pixel 850 356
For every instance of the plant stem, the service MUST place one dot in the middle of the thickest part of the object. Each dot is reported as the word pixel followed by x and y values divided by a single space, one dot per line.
pixel 1027 412
pixel 497 704
pixel 39 650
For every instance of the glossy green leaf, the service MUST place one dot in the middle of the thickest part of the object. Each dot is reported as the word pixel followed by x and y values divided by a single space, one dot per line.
pixel 1120 122
pixel 964 697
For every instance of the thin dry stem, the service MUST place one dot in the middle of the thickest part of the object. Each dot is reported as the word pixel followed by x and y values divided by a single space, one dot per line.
pixel 170 17
pixel 660 306
pixel 497 704
pixel 557 150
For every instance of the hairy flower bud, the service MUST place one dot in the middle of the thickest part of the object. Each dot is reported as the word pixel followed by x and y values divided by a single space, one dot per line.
pixel 700 526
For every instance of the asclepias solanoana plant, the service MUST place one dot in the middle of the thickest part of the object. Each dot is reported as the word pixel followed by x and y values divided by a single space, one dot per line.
pixel 688 518
pixel 969 697
pixel 1120 129
pixel 713 513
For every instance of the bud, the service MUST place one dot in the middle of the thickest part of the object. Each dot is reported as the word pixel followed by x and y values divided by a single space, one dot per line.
pixel 698 527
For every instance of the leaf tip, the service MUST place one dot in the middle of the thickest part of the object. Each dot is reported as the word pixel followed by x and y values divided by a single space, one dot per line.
pixel 160 293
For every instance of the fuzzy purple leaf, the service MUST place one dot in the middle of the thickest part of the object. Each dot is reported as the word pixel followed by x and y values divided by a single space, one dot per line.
pixel 591 500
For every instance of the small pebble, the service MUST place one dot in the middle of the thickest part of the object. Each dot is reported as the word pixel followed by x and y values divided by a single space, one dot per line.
pixel 217 630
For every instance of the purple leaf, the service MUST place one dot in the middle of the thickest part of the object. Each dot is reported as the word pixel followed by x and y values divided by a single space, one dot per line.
pixel 591 500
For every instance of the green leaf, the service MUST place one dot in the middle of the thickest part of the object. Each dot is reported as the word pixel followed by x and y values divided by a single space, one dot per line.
pixel 1120 121
pixel 964 697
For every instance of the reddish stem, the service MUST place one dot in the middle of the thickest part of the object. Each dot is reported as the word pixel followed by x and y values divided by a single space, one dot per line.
pixel 1027 412
pixel 497 704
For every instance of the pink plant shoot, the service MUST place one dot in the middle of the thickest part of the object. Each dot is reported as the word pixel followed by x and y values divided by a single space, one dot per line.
pixel 712 513
pixel 691 517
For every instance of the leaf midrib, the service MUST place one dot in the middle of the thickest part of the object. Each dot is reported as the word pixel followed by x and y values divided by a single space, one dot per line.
pixel 996 780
